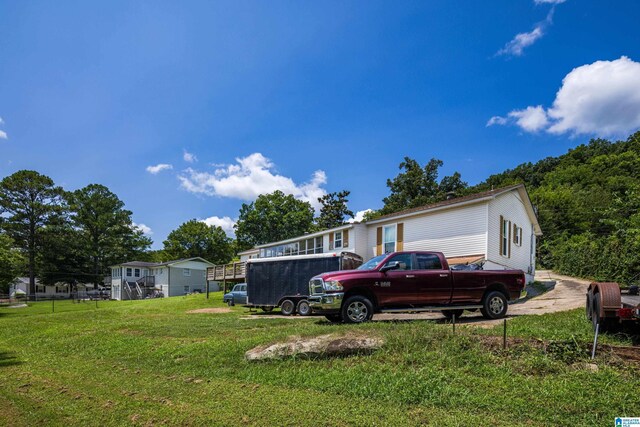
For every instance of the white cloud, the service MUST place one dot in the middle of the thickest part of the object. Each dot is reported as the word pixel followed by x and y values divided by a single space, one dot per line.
pixel 189 157
pixel 145 229
pixel 3 135
pixel 154 170
pixel 359 216
pixel 516 46
pixel 531 119
pixel 248 178
pixel 602 99
pixel 497 120
pixel 226 223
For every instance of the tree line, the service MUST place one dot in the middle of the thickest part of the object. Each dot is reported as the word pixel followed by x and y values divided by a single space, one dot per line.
pixel 587 200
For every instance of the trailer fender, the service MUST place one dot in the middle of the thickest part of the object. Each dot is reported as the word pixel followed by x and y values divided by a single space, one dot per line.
pixel 610 299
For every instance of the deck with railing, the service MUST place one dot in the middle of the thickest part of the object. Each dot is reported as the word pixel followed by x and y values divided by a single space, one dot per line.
pixel 231 271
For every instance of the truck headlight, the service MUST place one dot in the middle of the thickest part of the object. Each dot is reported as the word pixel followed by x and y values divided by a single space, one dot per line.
pixel 332 285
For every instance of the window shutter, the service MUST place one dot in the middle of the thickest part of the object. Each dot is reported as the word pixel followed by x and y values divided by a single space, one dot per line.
pixel 515 233
pixel 379 241
pixel 501 235
pixel 400 237
pixel 330 241
pixel 345 239
pixel 509 244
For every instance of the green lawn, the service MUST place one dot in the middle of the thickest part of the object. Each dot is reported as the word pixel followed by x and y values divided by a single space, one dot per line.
pixel 151 363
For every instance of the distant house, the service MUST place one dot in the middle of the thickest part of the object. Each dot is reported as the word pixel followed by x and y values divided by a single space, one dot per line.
pixel 497 228
pixel 59 290
pixel 138 279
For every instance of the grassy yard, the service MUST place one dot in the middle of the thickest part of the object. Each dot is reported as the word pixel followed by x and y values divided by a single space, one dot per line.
pixel 152 363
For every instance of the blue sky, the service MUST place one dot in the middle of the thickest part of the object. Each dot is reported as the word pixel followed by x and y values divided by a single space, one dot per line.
pixel 187 110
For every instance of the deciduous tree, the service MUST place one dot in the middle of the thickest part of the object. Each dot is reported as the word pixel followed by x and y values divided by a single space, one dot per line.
pixel 272 217
pixel 196 239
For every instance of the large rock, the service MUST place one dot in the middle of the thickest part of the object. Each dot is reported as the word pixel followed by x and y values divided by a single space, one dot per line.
pixel 329 345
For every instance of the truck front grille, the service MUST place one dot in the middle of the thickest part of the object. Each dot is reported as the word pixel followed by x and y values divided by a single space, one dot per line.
pixel 316 287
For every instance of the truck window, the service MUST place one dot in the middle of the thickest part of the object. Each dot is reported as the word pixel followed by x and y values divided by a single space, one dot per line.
pixel 404 259
pixel 428 262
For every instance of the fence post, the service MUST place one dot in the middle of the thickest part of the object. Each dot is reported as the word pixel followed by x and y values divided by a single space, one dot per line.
pixel 504 336
pixel 53 305
pixel 595 342
pixel 454 324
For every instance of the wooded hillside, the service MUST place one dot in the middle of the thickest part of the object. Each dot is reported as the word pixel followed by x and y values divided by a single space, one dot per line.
pixel 588 201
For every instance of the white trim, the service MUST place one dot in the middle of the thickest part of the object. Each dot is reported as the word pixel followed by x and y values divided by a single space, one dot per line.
pixel 304 236
pixel 292 257
pixel 423 211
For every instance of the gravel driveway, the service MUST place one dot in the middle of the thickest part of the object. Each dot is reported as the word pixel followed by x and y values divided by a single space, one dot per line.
pixel 566 293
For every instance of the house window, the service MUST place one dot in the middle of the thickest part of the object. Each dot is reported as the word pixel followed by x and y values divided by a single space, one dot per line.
pixel 61 289
pixel 517 235
pixel 186 272
pixel 389 238
pixel 128 272
pixel 337 239
pixel 505 237
pixel 186 287
pixel 318 245
pixel 137 272
pixel 40 288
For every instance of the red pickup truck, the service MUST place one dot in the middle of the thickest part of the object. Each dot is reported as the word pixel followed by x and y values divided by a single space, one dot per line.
pixel 413 281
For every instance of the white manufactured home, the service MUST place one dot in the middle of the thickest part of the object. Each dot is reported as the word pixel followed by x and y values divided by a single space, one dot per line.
pixel 497 228
pixel 138 280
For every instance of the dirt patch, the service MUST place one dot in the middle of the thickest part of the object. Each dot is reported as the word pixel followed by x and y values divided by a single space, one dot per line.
pixel 212 310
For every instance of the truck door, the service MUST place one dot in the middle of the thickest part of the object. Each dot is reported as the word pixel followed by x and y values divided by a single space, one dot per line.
pixel 433 283
pixel 397 287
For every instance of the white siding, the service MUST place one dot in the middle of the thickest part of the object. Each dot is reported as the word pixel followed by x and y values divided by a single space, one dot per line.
pixel 358 240
pixel 454 232
pixel 511 207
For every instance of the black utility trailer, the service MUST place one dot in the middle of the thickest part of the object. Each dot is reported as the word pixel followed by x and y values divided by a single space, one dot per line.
pixel 284 281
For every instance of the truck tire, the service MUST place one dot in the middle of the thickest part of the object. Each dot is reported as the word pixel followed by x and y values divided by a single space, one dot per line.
pixel 494 305
pixel 303 308
pixel 287 308
pixel 450 313
pixel 230 303
pixel 357 309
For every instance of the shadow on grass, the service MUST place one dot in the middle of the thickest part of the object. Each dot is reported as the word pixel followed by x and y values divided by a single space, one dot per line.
pixel 8 358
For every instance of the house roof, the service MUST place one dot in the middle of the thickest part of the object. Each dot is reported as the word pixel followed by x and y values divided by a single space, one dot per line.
pixel 306 236
pixel 160 264
pixel 464 200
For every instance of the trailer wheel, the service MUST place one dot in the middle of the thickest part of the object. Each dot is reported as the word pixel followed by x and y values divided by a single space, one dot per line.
pixel 267 308
pixel 287 308
pixel 494 305
pixel 357 309
pixel 303 308
pixel 606 324
pixel 450 313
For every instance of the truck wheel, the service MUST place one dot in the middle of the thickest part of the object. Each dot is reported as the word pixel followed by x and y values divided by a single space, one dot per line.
pixel 450 313
pixel 287 308
pixel 303 308
pixel 230 303
pixel 334 318
pixel 494 305
pixel 357 309
pixel 589 306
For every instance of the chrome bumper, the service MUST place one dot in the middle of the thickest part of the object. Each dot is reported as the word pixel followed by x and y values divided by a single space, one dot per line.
pixel 326 302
